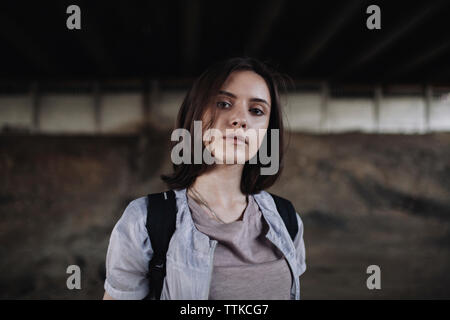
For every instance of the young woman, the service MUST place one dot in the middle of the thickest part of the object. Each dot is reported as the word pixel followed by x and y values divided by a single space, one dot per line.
pixel 230 242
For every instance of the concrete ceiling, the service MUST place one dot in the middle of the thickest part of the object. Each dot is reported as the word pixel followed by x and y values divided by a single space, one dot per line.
pixel 310 40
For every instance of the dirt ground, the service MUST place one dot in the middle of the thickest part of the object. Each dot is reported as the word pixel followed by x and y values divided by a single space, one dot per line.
pixel 364 199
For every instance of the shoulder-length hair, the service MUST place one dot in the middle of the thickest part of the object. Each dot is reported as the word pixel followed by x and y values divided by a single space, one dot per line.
pixel 196 103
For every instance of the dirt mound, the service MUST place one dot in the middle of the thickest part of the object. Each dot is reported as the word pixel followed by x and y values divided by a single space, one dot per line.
pixel 364 199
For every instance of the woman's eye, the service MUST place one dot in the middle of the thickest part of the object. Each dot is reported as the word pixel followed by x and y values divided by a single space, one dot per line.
pixel 257 111
pixel 223 104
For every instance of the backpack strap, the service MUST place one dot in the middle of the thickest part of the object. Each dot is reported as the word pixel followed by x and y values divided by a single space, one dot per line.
pixel 287 213
pixel 161 220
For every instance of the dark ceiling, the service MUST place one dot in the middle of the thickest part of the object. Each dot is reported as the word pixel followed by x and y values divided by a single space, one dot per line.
pixel 308 40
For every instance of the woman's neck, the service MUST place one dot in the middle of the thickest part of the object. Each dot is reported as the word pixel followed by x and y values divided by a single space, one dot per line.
pixel 222 185
pixel 221 189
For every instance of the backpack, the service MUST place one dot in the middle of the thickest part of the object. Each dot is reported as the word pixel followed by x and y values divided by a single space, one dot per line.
pixel 161 225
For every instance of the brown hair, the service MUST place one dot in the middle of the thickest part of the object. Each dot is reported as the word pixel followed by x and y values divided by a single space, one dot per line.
pixel 196 103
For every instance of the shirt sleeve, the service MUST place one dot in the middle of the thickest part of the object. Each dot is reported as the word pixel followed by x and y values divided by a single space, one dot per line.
pixel 128 255
pixel 300 247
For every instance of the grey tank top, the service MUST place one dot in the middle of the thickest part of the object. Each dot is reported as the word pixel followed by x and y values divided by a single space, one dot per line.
pixel 247 266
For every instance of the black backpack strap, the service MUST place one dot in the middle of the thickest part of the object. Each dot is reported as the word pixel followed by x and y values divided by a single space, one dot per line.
pixel 287 213
pixel 161 220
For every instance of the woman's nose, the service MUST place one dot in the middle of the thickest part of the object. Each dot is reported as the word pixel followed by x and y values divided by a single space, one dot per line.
pixel 239 123
pixel 238 119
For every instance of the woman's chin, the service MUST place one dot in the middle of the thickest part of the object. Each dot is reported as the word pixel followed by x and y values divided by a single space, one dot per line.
pixel 231 159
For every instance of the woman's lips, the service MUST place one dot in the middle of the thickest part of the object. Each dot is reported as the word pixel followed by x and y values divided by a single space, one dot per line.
pixel 236 140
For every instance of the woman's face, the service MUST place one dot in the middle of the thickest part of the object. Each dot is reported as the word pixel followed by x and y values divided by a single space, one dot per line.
pixel 242 108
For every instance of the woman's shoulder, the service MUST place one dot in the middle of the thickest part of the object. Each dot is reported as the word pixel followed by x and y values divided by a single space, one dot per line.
pixel 138 204
pixel 270 198
pixel 262 194
pixel 134 215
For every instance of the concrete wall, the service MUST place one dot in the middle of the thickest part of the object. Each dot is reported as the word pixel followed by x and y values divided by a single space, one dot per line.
pixel 303 111
pixel 312 112
pixel 440 113
pixel 66 113
pixel 402 114
pixel 355 114
pixel 120 112
pixel 307 111
pixel 16 111
pixel 167 106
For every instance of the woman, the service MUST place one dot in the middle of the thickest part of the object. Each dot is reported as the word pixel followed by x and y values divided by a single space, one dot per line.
pixel 229 242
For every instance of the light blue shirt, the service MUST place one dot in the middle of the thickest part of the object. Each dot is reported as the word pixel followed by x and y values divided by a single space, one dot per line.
pixel 190 254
